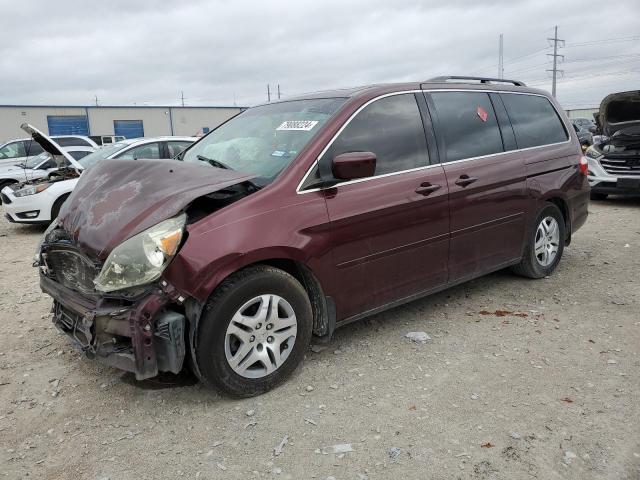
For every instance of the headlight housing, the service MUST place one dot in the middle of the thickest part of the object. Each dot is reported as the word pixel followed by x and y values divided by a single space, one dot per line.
pixel 31 189
pixel 593 153
pixel 142 258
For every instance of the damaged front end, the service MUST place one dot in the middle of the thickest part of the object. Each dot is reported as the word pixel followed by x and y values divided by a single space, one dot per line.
pixel 614 159
pixel 140 330
pixel 102 260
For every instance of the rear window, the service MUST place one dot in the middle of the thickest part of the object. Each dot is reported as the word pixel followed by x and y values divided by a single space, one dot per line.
pixel 535 121
pixel 71 142
pixel 468 124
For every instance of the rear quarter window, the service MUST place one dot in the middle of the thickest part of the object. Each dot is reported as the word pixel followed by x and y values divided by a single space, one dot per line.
pixel 535 121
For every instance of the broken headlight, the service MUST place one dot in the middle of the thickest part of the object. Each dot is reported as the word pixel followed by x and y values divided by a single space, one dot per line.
pixel 142 258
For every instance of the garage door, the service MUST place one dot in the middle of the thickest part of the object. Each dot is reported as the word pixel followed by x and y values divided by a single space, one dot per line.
pixel 128 128
pixel 68 125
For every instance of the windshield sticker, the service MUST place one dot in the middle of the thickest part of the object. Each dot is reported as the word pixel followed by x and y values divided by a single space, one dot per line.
pixel 303 125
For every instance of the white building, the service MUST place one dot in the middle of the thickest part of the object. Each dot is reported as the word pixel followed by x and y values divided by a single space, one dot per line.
pixel 129 121
pixel 582 112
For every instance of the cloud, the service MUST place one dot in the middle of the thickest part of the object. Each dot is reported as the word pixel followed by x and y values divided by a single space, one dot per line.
pixel 219 52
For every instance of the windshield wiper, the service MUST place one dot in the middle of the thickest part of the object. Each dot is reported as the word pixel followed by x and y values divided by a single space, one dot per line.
pixel 213 162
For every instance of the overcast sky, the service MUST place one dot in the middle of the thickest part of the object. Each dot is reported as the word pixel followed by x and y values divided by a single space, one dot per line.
pixel 221 52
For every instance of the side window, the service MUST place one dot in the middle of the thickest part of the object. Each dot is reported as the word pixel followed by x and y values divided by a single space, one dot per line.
pixel 392 129
pixel 32 148
pixel 71 142
pixel 77 155
pixel 468 124
pixel 535 121
pixel 176 148
pixel 149 150
pixel 13 150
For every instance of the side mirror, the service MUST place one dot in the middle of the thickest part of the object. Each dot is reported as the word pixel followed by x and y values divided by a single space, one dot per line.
pixel 354 165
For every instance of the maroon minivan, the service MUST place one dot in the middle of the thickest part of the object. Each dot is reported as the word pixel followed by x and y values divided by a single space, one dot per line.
pixel 299 216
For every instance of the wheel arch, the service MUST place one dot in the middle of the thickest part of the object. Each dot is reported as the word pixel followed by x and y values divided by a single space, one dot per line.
pixel 563 206
pixel 290 261
pixel 57 204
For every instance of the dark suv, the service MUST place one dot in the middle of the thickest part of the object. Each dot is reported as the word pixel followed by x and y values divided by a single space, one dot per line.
pixel 299 216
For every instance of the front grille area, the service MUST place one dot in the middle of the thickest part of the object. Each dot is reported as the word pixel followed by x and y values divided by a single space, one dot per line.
pixel 621 166
pixel 70 268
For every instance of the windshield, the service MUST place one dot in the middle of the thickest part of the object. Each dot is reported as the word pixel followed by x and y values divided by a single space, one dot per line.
pixel 100 154
pixel 264 140
pixel 33 162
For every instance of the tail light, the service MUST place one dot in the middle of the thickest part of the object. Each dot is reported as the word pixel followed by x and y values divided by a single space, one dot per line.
pixel 584 165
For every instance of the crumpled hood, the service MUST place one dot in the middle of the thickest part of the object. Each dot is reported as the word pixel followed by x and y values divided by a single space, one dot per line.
pixel 619 111
pixel 117 199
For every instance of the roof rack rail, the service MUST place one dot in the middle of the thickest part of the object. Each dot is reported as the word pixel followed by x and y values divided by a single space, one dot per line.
pixel 479 79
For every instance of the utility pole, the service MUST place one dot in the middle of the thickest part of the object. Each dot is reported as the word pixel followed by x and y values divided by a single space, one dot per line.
pixel 278 91
pixel 501 58
pixel 182 97
pixel 268 93
pixel 556 43
pixel 96 97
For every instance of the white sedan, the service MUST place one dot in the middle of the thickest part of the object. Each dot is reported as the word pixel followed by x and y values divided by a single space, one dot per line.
pixel 37 167
pixel 40 202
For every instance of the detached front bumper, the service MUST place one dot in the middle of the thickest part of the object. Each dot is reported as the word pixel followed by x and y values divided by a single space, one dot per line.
pixel 144 336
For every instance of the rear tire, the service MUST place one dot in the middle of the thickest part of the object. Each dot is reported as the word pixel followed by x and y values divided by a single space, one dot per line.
pixel 545 244
pixel 269 335
pixel 598 196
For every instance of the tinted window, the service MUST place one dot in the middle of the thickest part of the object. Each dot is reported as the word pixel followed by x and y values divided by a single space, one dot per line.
pixel 392 129
pixel 71 142
pixel 535 121
pixel 32 148
pixel 468 124
pixel 149 150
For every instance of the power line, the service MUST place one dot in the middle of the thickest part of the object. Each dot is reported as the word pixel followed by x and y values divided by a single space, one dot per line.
pixel 604 41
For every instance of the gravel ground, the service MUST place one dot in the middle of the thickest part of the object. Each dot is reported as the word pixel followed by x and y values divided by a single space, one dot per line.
pixel 521 379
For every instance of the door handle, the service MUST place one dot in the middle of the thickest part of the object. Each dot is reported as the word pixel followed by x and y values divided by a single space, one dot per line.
pixel 465 180
pixel 426 189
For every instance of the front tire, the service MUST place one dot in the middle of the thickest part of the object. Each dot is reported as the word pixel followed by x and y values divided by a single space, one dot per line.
pixel 254 331
pixel 545 244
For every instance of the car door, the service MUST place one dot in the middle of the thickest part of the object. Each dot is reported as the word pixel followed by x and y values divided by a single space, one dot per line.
pixel 487 194
pixel 13 153
pixel 390 231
